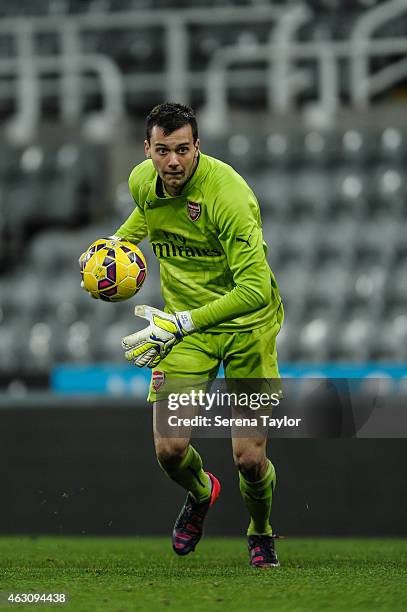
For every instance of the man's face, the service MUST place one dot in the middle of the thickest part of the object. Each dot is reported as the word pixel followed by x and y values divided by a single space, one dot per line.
pixel 174 156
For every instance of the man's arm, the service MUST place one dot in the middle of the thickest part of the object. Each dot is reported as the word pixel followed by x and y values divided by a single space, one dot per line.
pixel 134 228
pixel 237 218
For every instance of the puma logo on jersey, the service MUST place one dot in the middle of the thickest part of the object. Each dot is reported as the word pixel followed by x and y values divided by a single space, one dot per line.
pixel 243 240
pixel 239 239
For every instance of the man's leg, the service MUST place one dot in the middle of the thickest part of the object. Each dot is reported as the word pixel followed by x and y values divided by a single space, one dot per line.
pixel 183 464
pixel 190 363
pixel 257 480
pixel 252 356
pixel 179 460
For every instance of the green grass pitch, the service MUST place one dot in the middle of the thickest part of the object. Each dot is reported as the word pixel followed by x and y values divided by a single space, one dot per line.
pixel 121 574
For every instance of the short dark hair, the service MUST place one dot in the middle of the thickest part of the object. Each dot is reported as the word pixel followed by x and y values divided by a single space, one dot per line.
pixel 171 116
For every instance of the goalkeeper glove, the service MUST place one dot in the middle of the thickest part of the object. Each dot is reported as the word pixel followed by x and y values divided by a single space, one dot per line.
pixel 148 346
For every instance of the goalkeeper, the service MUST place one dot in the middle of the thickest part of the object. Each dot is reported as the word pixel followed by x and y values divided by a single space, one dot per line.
pixel 222 305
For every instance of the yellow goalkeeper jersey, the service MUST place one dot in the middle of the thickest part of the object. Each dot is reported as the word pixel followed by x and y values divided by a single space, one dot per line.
pixel 209 243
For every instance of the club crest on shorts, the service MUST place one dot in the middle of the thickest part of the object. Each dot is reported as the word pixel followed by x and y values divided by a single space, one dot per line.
pixel 158 379
pixel 194 210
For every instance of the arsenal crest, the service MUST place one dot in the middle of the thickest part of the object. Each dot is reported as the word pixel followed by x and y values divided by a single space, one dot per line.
pixel 158 379
pixel 194 210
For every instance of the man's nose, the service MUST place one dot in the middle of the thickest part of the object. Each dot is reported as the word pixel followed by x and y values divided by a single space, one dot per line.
pixel 173 160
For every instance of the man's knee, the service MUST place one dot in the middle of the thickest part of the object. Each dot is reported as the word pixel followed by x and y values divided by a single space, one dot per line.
pixel 251 460
pixel 170 451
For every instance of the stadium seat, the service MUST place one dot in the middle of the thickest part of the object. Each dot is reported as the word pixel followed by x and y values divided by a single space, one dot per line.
pixel 240 152
pixel 39 346
pixel 323 148
pixel 274 192
pixel 393 144
pixel 312 341
pixel 357 147
pixel 353 338
pixel 329 284
pixel 293 280
pixel 397 281
pixel 349 193
pixel 78 342
pixel 297 243
pixel 287 340
pixel 375 243
pixel 389 190
pixel 9 161
pixel 281 149
pixel 66 312
pixel 10 339
pixel 110 340
pixel 389 343
pixel 54 250
pixel 24 292
pixel 311 193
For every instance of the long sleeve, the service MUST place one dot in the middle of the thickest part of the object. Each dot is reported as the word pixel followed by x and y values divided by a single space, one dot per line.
pixel 134 228
pixel 237 218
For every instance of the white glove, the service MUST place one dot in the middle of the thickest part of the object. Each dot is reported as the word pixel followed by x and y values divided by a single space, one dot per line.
pixel 148 346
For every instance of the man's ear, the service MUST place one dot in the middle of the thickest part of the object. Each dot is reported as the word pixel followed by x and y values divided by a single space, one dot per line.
pixel 197 145
pixel 147 149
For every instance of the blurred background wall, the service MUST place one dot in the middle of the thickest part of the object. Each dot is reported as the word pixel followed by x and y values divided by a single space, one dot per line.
pixel 307 100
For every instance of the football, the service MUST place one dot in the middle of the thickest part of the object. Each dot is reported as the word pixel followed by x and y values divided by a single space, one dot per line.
pixel 113 270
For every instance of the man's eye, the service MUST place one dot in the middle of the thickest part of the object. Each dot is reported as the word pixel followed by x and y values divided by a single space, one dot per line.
pixel 162 151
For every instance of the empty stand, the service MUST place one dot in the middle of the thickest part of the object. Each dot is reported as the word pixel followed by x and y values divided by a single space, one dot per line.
pixel 336 241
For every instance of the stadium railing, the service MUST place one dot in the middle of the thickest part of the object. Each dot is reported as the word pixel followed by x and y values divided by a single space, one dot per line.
pixel 274 67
